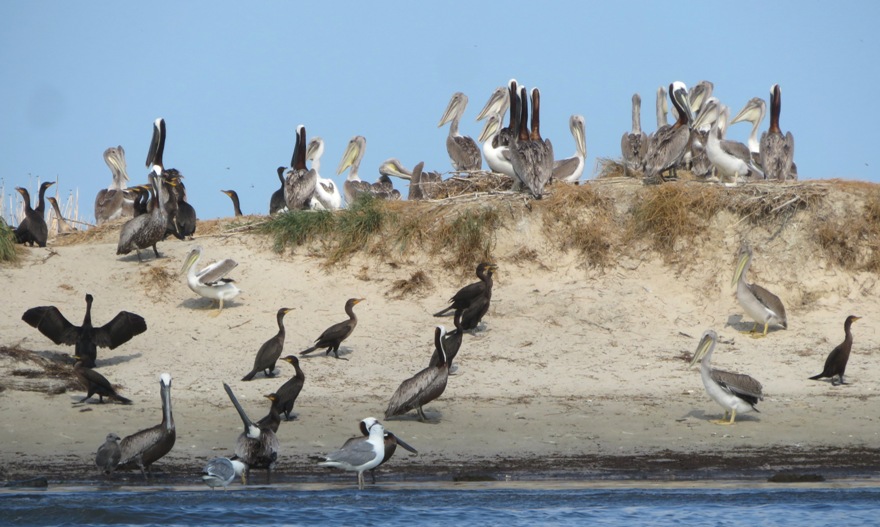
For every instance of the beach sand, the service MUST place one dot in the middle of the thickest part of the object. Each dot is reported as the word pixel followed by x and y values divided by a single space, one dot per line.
pixel 579 372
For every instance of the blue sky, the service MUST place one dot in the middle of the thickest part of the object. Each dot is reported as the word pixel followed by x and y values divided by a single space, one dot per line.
pixel 234 79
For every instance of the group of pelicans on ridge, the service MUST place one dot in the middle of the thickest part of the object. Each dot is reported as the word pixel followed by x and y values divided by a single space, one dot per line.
pixel 694 141
pixel 257 446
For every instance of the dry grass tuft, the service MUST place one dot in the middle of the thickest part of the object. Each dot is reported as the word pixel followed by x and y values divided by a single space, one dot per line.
pixel 611 168
pixel 156 281
pixel 851 239
pixel 418 284
pixel 580 218
pixel 35 366
pixel 673 212
pixel 760 203
pixel 477 182
pixel 7 243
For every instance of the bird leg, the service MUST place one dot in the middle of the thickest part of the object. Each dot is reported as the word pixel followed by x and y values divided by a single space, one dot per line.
pixel 360 481
pixel 422 415
pixel 220 308
pixel 723 422
pixel 155 250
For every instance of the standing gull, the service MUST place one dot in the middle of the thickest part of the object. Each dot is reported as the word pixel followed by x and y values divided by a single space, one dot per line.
pixel 108 454
pixel 361 454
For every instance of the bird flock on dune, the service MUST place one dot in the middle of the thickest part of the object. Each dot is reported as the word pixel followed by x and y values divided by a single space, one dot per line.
pixel 153 211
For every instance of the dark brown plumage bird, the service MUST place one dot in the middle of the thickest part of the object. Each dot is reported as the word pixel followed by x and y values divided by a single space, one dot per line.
pixel 423 387
pixel 474 313
pixel 835 364
pixel 50 322
pixel 143 448
pixel 233 195
pixel 289 391
pixel 276 202
pixel 33 228
pixel 95 383
pixel 333 336
pixel 467 294
pixel 257 446
pixel 269 352
pixel 451 344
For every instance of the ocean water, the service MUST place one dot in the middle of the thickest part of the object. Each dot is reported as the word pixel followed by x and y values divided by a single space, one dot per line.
pixel 449 504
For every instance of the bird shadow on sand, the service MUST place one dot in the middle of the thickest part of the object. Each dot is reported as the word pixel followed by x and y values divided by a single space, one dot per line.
pixel 133 257
pixel 702 415
pixel 344 352
pixel 433 416
pixel 119 359
pixel 206 304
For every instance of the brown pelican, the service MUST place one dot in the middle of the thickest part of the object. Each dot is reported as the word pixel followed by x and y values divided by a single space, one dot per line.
pixel 276 202
pixel 463 151
pixel 211 281
pixel 668 145
pixel 233 195
pixel 777 151
pixel 289 391
pixel 108 454
pixel 467 294
pixel 422 185
pixel 33 228
pixel 62 227
pixel 361 454
pixel 354 186
pixel 735 392
pixel 144 448
pixel 761 305
pixel 391 442
pixel 95 383
pixel 148 229
pixel 270 350
pixel 835 364
pixel 570 169
pixel 530 155
pixel 50 322
pixel 220 471
pixel 451 345
pixel 182 221
pixel 257 447
pixel 498 103
pixel 333 336
pixel 299 187
pixel 662 108
pixel 423 387
pixel 634 144
pixel 114 202
pixel 327 195
pixel 753 112
pixel 698 96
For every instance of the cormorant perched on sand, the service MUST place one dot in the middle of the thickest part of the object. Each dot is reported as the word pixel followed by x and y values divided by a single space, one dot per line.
pixel 333 336
pixel 95 383
pixel 257 446
pixel 289 391
pixel 108 454
pixel 33 228
pixel 423 387
pixel 269 352
pixel 233 195
pixel 276 202
pixel 144 448
pixel 50 322
pixel 835 364
pixel 467 294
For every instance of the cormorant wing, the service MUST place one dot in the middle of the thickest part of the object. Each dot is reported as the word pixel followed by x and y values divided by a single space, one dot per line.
pixel 216 271
pixel 120 330
pixel 51 323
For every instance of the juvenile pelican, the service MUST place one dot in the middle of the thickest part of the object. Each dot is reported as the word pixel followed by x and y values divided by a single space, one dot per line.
pixel 761 305
pixel 354 186
pixel 777 151
pixel 114 202
pixel 835 364
pixel 108 454
pixel 361 454
pixel 144 448
pixel 463 151
pixel 422 185
pixel 498 103
pixel 731 159
pixel 257 446
pixel 634 144
pixel 698 96
pixel 210 282
pixel 299 187
pixel 735 392
pixel 668 145
pixel 423 387
pixel 220 471
pixel 570 169
pixel 327 195
pixel 753 112
pixel 495 150
pixel 662 109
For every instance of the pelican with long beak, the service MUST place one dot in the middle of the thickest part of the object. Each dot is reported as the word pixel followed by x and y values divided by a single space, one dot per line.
pixel 147 446
pixel 753 112
pixel 327 195
pixel 735 392
pixel 463 150
pixel 761 305
pixel 570 169
pixel 211 281
pixel 634 144
pixel 777 151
